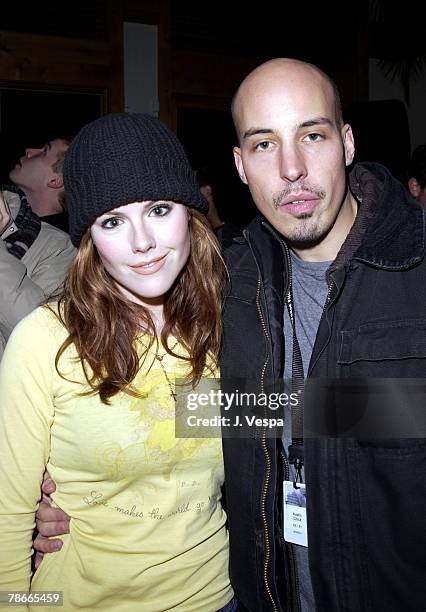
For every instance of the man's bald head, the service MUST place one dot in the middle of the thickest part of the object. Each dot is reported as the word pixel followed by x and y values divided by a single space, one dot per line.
pixel 284 73
pixel 293 153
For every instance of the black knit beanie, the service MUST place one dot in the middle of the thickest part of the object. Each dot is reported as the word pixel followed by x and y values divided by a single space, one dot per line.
pixel 123 158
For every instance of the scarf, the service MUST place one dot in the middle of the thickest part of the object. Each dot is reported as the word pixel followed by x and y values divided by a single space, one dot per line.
pixel 28 224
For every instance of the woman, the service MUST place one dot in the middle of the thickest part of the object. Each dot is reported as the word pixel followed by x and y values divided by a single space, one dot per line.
pixel 88 390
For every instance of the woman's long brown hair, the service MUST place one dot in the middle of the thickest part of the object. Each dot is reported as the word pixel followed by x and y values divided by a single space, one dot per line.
pixel 103 324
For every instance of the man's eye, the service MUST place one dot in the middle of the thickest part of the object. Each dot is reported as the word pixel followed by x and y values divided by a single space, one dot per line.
pixel 263 146
pixel 111 223
pixel 314 137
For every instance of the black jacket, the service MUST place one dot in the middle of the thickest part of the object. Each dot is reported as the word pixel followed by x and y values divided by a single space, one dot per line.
pixel 366 497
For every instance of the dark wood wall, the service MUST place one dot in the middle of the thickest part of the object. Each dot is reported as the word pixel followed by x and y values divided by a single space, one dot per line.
pixel 95 64
pixel 187 76
pixel 204 51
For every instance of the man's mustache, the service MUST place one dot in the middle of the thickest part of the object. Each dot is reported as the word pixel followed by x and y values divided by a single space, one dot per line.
pixel 297 189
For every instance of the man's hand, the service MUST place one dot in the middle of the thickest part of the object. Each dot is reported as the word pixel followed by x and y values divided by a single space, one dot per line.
pixel 5 216
pixel 50 522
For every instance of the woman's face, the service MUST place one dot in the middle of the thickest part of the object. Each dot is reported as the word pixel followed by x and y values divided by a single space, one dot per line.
pixel 143 246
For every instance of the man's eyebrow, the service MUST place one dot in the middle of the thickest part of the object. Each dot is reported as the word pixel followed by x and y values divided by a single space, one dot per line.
pixel 315 121
pixel 309 123
pixel 254 131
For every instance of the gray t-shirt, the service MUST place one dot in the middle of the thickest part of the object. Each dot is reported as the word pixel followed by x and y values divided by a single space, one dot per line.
pixel 309 294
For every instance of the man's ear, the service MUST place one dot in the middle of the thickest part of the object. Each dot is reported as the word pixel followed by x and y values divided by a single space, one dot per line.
pixel 414 187
pixel 348 143
pixel 239 164
pixel 56 182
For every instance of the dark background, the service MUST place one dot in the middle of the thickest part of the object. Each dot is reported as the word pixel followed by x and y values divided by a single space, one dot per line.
pixel 61 65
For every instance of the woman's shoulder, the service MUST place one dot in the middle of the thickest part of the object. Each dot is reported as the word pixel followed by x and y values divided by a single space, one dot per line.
pixel 42 323
pixel 36 339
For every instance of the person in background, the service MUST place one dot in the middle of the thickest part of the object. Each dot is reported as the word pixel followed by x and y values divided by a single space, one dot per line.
pixel 224 230
pixel 87 388
pixel 34 260
pixel 38 174
pixel 417 175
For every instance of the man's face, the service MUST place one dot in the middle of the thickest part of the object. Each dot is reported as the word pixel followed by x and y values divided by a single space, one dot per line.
pixel 417 192
pixel 293 155
pixel 34 170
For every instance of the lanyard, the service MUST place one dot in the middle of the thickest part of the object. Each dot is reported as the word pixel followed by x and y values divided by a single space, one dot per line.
pixel 295 454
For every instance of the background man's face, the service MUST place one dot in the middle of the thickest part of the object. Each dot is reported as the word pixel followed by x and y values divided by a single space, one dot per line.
pixel 417 192
pixel 34 170
pixel 293 154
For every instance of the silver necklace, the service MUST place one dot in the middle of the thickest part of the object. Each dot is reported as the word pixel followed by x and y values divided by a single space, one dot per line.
pixel 160 358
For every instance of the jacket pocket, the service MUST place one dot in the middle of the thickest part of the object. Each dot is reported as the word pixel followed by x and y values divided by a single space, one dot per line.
pixel 382 368
pixel 384 341
pixel 242 289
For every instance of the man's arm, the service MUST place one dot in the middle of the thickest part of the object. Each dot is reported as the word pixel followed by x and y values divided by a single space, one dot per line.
pixel 19 295
pixel 26 283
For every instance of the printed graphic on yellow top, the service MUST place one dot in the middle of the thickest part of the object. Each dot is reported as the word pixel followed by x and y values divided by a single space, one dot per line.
pixel 153 444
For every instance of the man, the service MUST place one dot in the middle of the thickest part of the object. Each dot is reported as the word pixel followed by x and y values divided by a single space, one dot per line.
pixel 417 175
pixel 358 288
pixel 34 259
pixel 354 308
pixel 38 174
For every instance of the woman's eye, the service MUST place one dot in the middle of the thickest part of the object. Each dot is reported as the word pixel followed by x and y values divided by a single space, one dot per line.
pixel 160 210
pixel 111 223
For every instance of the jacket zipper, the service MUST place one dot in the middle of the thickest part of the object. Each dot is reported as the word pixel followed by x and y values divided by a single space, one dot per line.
pixel 286 546
pixel 268 463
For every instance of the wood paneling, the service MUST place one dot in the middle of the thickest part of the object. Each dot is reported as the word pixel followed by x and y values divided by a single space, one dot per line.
pixel 146 11
pixel 68 62
pixel 116 50
pixel 186 76
pixel 49 59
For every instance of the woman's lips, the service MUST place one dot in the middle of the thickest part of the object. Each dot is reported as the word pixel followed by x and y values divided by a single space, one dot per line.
pixel 150 267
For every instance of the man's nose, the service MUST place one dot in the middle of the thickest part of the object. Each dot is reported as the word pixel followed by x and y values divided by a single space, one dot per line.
pixel 292 164
pixel 31 152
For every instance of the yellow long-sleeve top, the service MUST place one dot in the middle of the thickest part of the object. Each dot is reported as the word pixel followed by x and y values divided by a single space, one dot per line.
pixel 147 529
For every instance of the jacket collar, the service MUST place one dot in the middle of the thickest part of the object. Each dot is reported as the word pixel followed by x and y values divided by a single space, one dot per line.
pixel 389 231
pixel 268 248
pixel 13 199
